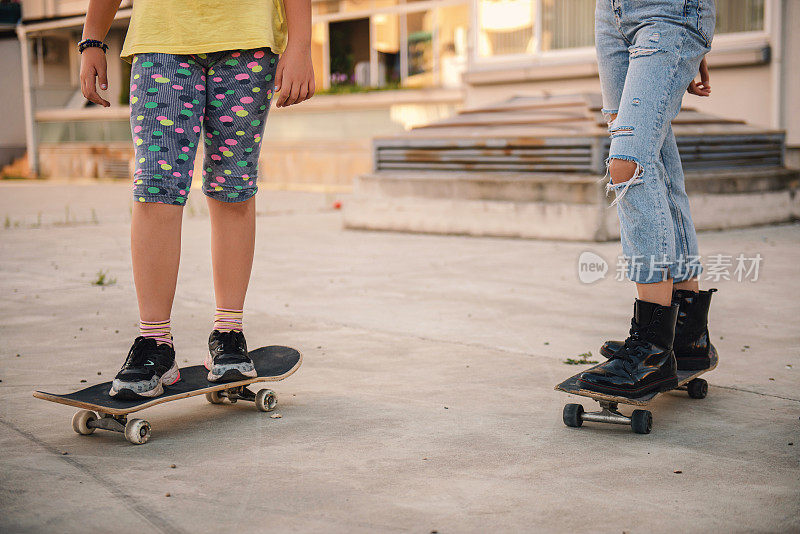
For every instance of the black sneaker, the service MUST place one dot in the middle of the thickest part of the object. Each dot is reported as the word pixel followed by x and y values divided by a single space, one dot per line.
pixel 148 368
pixel 227 359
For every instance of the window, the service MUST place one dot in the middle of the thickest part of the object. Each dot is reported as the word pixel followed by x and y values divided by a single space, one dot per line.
pixel 515 27
pixel 349 52
pixel 451 44
pixel 567 24
pixel 319 49
pixel 419 40
pixel 389 43
pixel 386 42
pixel 505 27
pixel 740 16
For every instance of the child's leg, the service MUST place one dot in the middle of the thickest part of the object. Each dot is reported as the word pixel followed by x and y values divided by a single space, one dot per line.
pixel 664 57
pixel 233 237
pixel 155 254
pixel 691 345
pixel 690 284
pixel 233 226
pixel 687 268
pixel 612 59
pixel 239 94
pixel 167 100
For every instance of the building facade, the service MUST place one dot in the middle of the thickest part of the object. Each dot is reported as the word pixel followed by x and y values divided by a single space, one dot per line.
pixel 12 135
pixel 383 66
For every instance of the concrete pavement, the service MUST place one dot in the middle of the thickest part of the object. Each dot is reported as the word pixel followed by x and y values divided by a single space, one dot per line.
pixel 425 402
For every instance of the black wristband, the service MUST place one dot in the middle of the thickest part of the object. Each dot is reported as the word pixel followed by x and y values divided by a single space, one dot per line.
pixel 91 43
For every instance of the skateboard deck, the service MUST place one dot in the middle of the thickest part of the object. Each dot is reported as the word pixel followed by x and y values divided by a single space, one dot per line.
pixel 272 363
pixel 574 416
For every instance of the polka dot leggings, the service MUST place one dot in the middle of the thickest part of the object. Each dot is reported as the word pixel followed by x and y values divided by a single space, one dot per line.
pixel 174 98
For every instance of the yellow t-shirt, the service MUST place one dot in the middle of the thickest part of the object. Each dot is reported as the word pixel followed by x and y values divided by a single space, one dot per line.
pixel 196 26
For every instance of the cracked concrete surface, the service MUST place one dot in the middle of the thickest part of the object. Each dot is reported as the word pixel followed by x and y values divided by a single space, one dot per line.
pixel 425 401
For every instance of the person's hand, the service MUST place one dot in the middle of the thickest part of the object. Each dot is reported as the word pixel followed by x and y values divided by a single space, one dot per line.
pixel 93 69
pixel 294 77
pixel 703 87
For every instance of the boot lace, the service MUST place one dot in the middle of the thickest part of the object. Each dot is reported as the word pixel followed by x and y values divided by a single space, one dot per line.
pixel 637 340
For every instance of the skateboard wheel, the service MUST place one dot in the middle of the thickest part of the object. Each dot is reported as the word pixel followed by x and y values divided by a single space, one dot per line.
pixel 266 400
pixel 641 421
pixel 573 415
pixel 137 431
pixel 80 422
pixel 214 397
pixel 697 388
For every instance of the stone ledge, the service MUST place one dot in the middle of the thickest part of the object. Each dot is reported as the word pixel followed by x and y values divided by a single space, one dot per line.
pixel 555 187
pixel 555 206
pixel 555 221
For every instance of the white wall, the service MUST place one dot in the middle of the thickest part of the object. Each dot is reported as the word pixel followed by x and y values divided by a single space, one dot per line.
pixel 738 93
pixel 791 72
pixel 39 9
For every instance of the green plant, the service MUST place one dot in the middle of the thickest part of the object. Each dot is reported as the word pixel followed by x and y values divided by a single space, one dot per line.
pixel 581 359
pixel 348 89
pixel 103 279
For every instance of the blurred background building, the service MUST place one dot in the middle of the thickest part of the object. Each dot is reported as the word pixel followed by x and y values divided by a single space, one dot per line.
pixel 382 67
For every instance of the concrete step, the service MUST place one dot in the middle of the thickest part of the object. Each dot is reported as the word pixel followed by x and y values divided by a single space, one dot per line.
pixel 555 206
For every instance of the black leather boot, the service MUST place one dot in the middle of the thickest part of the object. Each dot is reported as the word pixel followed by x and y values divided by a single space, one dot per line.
pixel 692 345
pixel 645 361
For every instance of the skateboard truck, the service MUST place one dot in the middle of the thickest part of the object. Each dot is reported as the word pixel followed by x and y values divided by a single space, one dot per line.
pixel 137 431
pixel 608 414
pixel 641 421
pixel 265 399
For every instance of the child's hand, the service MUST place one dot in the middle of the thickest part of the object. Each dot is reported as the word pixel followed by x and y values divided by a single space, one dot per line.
pixel 294 77
pixel 701 88
pixel 93 67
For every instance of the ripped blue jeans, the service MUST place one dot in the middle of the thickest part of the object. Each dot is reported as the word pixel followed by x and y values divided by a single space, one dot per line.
pixel 648 51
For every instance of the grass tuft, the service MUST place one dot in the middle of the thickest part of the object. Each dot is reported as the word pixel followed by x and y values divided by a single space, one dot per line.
pixel 102 279
pixel 581 359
